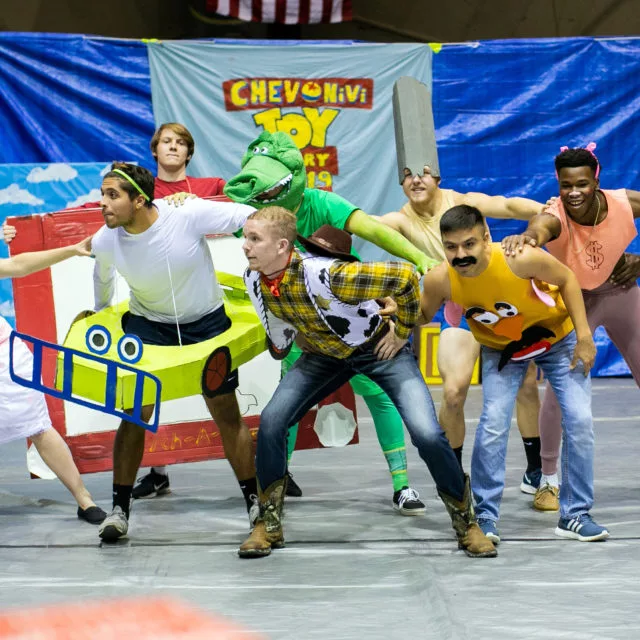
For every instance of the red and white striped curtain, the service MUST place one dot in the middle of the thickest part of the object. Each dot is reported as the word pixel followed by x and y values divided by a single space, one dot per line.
pixel 283 11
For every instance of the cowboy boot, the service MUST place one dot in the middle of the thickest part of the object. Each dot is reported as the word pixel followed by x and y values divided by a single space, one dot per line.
pixel 267 534
pixel 470 537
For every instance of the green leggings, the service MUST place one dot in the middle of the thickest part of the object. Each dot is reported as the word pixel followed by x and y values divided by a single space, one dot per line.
pixel 386 419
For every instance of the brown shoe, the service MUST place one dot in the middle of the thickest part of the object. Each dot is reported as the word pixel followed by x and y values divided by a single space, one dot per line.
pixel 260 543
pixel 475 544
pixel 267 534
pixel 470 537
pixel 546 498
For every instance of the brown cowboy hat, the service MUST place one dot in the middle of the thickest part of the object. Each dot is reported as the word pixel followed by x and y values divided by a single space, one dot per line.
pixel 329 241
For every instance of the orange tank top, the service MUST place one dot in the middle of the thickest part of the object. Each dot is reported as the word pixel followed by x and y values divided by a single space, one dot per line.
pixel 592 252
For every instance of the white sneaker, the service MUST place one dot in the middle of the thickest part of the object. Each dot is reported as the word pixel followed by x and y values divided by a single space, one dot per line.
pixel 114 526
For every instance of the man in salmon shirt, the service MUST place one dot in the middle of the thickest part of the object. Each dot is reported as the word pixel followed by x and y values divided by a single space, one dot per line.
pixel 588 229
pixel 520 309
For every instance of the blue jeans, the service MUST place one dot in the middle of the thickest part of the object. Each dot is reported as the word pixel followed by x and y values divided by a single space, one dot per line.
pixel 500 389
pixel 313 377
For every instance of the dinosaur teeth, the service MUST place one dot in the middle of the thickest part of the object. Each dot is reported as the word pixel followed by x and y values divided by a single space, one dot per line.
pixel 271 194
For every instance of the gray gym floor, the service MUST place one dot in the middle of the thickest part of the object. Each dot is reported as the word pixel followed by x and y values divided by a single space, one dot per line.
pixel 352 568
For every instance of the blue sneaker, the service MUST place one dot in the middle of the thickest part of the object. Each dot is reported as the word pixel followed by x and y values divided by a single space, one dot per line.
pixel 489 529
pixel 531 481
pixel 583 528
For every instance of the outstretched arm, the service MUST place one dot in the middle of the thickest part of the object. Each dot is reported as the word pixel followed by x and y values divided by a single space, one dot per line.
pixel 369 228
pixel 501 207
pixel 27 263
pixel 541 228
pixel 538 264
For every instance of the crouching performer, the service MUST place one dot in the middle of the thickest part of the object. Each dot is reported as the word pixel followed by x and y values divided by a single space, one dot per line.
pixel 329 297
pixel 520 309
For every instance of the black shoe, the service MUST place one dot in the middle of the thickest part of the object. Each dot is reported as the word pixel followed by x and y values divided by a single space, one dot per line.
pixel 92 515
pixel 407 502
pixel 293 490
pixel 152 485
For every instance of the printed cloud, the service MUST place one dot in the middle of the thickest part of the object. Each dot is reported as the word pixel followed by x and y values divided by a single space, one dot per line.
pixel 93 196
pixel 58 172
pixel 13 194
pixel 7 309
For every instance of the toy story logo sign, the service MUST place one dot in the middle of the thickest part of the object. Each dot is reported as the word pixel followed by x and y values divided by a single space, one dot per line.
pixel 312 104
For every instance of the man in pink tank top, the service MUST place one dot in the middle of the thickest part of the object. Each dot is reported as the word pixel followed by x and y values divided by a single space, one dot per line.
pixel 588 229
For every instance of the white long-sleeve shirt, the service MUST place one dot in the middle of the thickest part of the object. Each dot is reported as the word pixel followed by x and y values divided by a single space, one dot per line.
pixel 173 251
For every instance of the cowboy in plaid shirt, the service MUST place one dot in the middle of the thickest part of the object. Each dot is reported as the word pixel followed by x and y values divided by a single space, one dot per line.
pixel 331 302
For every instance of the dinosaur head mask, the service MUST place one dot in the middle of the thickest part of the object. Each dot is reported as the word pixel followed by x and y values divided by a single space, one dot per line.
pixel 272 173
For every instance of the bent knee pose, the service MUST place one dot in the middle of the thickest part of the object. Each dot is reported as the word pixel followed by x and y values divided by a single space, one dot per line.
pixel 588 229
pixel 172 146
pixel 517 316
pixel 269 160
pixel 23 411
pixel 419 221
pixel 330 297
pixel 174 299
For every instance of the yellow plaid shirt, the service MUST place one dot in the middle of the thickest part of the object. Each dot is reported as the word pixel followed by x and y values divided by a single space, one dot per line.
pixel 351 282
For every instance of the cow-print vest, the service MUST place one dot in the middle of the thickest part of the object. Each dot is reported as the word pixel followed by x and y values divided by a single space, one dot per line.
pixel 354 324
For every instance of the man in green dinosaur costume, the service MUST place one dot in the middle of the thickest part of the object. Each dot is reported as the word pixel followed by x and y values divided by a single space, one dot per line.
pixel 273 173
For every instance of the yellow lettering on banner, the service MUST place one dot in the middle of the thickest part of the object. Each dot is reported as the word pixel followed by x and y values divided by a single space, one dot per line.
pixel 297 127
pixel 176 442
pixel 234 93
pixel 319 122
pixel 323 179
pixel 309 159
pixel 352 92
pixel 275 91
pixel 322 158
pixel 203 437
pixel 268 119
pixel 291 90
pixel 330 92
pixel 258 92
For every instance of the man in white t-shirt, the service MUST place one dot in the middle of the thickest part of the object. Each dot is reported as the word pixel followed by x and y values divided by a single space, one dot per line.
pixel 175 298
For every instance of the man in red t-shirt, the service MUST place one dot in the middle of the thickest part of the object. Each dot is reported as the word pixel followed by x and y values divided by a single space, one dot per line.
pixel 173 146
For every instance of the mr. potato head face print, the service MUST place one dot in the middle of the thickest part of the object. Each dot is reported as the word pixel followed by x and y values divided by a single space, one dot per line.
pixel 506 321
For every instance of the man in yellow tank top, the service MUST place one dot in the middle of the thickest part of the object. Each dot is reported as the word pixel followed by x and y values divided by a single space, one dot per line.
pixel 520 310
pixel 419 222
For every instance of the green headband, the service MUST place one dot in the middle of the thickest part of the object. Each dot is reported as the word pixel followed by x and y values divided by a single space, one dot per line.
pixel 133 182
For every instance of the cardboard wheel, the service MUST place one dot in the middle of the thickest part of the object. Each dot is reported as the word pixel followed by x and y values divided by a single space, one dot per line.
pixel 215 371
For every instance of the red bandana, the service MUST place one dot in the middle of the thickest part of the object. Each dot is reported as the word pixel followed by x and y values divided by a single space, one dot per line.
pixel 274 283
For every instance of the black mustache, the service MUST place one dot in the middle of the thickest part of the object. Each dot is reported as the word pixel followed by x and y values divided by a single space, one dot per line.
pixel 463 262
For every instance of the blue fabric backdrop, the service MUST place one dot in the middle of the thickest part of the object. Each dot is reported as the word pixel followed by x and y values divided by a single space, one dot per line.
pixel 502 110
